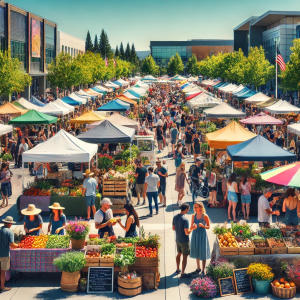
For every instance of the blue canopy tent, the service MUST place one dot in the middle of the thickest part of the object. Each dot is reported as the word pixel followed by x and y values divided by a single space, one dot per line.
pixel 259 149
pixel 220 84
pixel 248 94
pixel 118 83
pixel 115 105
pixel 242 92
pixel 99 91
pixel 70 101
pixel 37 102
pixel 135 94
pixel 184 86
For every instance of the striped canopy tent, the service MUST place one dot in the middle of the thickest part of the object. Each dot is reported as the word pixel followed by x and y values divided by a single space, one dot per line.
pixel 130 96
pixel 133 93
pixel 193 95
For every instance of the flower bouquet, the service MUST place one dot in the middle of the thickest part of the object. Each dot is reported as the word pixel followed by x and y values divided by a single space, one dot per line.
pixel 259 271
pixel 203 287
pixel 78 229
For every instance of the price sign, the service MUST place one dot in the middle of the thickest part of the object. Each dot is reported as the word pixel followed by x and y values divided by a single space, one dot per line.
pixel 242 281
pixel 226 286
pixel 100 280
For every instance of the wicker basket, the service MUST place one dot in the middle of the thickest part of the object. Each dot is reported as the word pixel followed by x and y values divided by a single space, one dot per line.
pixel 283 293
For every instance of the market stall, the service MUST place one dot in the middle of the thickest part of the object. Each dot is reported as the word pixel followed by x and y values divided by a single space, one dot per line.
pixel 88 118
pixel 114 105
pixel 27 104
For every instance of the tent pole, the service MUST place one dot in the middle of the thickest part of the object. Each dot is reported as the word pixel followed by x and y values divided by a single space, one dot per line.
pixel 210 154
pixel 232 166
pixel 22 175
pixel 48 130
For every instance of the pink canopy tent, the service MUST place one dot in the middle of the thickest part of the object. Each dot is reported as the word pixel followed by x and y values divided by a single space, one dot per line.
pixel 261 118
pixel 192 96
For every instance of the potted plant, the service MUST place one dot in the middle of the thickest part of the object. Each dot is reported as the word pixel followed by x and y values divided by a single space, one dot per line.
pixel 78 230
pixel 220 269
pixel 262 276
pixel 203 287
pixel 70 264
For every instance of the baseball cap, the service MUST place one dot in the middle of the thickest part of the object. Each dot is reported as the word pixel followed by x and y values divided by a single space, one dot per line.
pixel 198 159
pixel 106 201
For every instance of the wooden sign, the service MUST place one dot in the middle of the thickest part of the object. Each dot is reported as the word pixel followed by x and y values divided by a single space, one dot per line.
pixel 242 281
pixel 226 286
pixel 100 280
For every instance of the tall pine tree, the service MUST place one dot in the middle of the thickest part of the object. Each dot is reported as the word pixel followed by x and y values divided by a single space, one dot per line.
pixel 117 53
pixel 102 44
pixel 88 43
pixel 122 53
pixel 108 51
pixel 133 55
pixel 96 45
pixel 127 52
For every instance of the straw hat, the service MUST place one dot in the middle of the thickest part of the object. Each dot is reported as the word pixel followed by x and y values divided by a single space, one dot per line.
pixel 9 219
pixel 88 172
pixel 56 205
pixel 31 210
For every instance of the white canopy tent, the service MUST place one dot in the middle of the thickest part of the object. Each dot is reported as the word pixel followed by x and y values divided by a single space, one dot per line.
pixel 203 100
pixel 62 147
pixel 228 88
pixel 103 88
pixel 194 91
pixel 238 89
pixel 64 104
pixel 143 85
pixel 4 129
pixel 111 84
pixel 27 104
pixel 123 82
pixel 282 107
pixel 130 96
pixel 54 109
pixel 259 97
pixel 224 111
pixel 140 91
pixel 294 128
pixel 77 98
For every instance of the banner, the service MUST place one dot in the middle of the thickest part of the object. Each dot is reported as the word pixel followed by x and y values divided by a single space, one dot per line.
pixel 36 38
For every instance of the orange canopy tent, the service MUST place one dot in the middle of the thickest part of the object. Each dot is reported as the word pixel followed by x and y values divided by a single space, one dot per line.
pixel 10 109
pixel 126 99
pixel 232 134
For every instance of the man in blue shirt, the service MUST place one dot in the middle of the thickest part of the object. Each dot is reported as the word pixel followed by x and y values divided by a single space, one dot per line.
pixel 89 191
pixel 181 227
pixel 6 241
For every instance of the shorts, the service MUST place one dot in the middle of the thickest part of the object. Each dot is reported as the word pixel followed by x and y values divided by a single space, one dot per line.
pixel 5 263
pixel 183 248
pixel 173 141
pixel 246 199
pixel 162 189
pixel 160 142
pixel 232 196
pixel 4 188
pixel 140 188
pixel 212 188
pixel 90 200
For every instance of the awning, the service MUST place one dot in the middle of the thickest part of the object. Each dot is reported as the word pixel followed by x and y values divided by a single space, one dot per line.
pixel 9 109
pixel 87 118
pixel 223 111
pixel 294 128
pixel 28 105
pixel 70 101
pixel 33 117
pixel 282 107
pixel 114 105
pixel 261 118
pixel 259 97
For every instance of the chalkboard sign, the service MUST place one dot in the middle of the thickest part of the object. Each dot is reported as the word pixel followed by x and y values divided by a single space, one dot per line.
pixel 242 282
pixel 226 286
pixel 100 280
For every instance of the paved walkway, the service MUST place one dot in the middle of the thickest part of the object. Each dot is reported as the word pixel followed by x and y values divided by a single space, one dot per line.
pixel 47 286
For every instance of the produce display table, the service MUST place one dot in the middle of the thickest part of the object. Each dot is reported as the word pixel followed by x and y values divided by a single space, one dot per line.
pixel 74 205
pixel 34 260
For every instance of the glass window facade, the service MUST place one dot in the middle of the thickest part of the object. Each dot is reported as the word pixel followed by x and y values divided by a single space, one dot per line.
pixel 18 39
pixel 50 44
pixel 269 44
pixel 36 63
pixel 2 29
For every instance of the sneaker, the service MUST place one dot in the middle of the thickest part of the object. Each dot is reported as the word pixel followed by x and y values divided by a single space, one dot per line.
pixel 144 203
pixel 138 203
pixel 179 203
pixel 157 212
pixel 150 215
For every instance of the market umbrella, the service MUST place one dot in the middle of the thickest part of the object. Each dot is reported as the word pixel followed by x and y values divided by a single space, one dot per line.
pixel 288 175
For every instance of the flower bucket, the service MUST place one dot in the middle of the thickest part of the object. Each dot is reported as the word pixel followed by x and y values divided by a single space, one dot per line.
pixel 77 244
pixel 261 287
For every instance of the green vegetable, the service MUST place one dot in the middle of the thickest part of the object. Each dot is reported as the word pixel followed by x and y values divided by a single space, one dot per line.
pixel 128 240
pixel 108 248
pixel 126 257
pixel 219 230
pixel 273 233
pixel 58 242
pixel 70 262
pixel 257 237
pixel 243 230
pixel 96 241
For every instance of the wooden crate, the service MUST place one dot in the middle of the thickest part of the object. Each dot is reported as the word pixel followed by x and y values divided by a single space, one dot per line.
pixel 265 250
pixel 227 250
pixel 92 264
pixel 103 264
pixel 92 259
pixel 115 188
pixel 280 250
pixel 246 250
pixel 292 250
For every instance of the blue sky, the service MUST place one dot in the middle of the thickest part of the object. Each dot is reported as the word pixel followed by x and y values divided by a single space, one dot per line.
pixel 140 21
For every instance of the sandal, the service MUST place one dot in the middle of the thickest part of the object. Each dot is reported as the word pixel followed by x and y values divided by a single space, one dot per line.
pixel 185 275
pixel 178 272
pixel 5 289
pixel 197 271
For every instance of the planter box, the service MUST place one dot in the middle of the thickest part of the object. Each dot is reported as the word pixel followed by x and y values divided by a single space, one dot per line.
pixel 227 250
pixel 89 260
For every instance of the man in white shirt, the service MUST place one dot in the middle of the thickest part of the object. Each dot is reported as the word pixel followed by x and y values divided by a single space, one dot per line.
pixel 152 183
pixel 264 210
pixel 22 148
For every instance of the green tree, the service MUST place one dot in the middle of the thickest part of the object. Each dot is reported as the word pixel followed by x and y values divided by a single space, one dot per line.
pixel 12 77
pixel 133 56
pixel 149 67
pixel 175 65
pixel 108 51
pixel 127 52
pixel 88 43
pixel 110 70
pixel 102 43
pixel 290 78
pixel 192 66
pixel 122 53
pixel 163 71
pixel 64 72
pixel 234 66
pixel 257 69
pixel 96 44
pixel 117 53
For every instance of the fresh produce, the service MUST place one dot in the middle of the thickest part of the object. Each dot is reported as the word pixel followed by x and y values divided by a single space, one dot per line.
pixel 92 254
pixel 143 251
pixel 58 242
pixel 244 243
pixel 107 256
pixel 126 257
pixel 108 249
pixel 227 240
pixel 276 243
pixel 261 245
pixel 273 233
pixel 96 241
pixel 123 245
pixel 128 240
pixel 93 236
pixel 219 230
pixel 283 284
pixel 37 242
pixel 243 230
pixel 291 242
pixel 36 192
pixel 257 237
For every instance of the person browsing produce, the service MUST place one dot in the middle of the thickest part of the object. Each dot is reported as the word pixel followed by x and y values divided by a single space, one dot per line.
pixel 6 241
pixel 132 221
pixel 33 222
pixel 57 220
pixel 104 219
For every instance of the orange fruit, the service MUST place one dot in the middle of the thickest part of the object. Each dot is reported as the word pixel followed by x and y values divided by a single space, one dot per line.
pixel 276 280
pixel 282 280
pixel 277 284
pixel 287 285
pixel 282 286
pixel 292 284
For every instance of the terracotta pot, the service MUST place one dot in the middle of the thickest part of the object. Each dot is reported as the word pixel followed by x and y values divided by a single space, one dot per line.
pixel 69 282
pixel 77 244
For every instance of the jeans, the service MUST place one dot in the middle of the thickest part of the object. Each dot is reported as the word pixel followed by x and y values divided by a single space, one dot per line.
pixel 153 195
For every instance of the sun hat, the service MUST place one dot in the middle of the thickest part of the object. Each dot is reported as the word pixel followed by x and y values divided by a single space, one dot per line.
pixel 198 159
pixel 106 201
pixel 56 205
pixel 31 210
pixel 88 172
pixel 9 219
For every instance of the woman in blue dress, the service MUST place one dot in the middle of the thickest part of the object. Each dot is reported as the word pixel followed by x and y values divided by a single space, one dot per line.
pixel 199 243
pixel 57 221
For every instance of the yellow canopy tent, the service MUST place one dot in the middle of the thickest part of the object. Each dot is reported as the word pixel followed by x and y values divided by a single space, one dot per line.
pixel 232 134
pixel 88 118
pixel 10 109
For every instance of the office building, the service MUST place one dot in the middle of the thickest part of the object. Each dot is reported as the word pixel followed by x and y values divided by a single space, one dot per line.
pixel 273 27
pixel 31 39
pixel 69 44
pixel 162 51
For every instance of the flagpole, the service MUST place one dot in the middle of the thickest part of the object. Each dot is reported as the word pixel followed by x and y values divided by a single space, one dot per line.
pixel 276 71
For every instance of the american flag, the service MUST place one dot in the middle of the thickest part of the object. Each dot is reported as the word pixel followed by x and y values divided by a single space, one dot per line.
pixel 280 61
